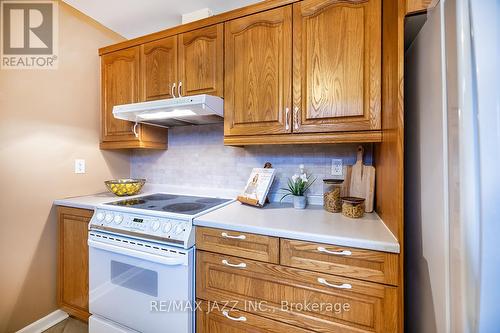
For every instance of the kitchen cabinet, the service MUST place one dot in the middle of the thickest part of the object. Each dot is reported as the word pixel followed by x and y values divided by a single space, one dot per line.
pixel 335 81
pixel 120 84
pixel 337 64
pixel 182 65
pixel 201 61
pixel 159 69
pixel 73 261
pixel 258 60
pixel 306 272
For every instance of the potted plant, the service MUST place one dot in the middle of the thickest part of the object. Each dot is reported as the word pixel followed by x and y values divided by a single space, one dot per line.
pixel 297 187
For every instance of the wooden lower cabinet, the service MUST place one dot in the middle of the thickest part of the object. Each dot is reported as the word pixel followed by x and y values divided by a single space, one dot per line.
pixel 73 261
pixel 215 318
pixel 315 301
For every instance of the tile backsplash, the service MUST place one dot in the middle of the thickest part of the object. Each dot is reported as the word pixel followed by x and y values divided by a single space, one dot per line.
pixel 196 156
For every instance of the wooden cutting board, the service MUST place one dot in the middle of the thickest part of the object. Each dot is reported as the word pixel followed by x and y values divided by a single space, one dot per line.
pixel 359 181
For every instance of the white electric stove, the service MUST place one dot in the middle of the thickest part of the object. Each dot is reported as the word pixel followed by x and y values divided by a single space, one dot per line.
pixel 141 263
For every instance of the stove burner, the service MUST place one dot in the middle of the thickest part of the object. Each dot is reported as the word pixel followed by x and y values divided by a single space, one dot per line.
pixel 130 202
pixel 183 207
pixel 209 200
pixel 159 197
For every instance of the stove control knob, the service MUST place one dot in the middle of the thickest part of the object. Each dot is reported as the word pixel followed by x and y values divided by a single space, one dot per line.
pixel 118 219
pixel 99 216
pixel 155 225
pixel 109 218
pixel 167 227
pixel 178 229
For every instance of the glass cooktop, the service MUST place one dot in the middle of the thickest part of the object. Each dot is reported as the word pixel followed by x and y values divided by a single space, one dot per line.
pixel 171 203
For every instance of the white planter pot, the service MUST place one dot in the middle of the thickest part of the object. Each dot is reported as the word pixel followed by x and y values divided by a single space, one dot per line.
pixel 299 202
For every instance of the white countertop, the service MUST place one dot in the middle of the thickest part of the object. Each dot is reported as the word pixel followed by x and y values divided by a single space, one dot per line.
pixel 312 224
pixel 279 220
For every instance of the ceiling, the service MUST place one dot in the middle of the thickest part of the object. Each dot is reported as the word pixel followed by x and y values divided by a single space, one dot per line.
pixel 133 18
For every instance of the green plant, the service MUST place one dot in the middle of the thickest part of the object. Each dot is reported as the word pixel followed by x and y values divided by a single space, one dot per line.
pixel 298 185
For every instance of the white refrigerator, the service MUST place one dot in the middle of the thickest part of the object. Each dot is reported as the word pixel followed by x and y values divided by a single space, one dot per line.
pixel 452 168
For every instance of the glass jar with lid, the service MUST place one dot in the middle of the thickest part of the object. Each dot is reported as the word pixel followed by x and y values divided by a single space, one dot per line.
pixel 332 194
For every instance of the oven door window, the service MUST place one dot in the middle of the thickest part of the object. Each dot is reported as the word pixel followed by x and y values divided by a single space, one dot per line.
pixel 135 278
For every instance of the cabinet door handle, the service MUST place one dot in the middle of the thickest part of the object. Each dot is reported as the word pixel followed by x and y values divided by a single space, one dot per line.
pixel 240 265
pixel 226 314
pixel 337 253
pixel 296 117
pixel 134 128
pixel 172 90
pixel 287 120
pixel 179 89
pixel 225 235
pixel 338 286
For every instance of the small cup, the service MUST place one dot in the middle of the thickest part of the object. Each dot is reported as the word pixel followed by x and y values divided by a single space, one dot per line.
pixel 353 207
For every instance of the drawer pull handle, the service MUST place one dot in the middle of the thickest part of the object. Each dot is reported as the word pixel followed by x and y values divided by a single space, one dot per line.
pixel 240 265
pixel 338 286
pixel 337 253
pixel 225 235
pixel 226 314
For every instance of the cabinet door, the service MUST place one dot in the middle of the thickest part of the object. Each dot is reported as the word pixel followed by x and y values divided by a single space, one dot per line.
pixel 201 61
pixel 73 275
pixel 159 69
pixel 258 50
pixel 120 85
pixel 337 64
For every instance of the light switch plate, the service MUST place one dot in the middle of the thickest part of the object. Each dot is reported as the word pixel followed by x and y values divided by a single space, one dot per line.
pixel 79 166
pixel 337 167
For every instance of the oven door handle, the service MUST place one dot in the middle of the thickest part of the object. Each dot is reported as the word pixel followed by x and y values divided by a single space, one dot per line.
pixel 170 261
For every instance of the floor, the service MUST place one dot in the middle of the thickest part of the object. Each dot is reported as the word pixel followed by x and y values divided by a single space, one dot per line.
pixel 69 325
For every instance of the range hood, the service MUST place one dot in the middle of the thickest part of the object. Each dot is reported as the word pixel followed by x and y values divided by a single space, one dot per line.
pixel 180 111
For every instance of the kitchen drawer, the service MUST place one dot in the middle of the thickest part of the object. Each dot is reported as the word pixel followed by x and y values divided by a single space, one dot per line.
pixel 366 265
pixel 240 244
pixel 315 301
pixel 210 318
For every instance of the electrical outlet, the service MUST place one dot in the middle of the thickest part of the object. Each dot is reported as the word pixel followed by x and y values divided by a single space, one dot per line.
pixel 337 167
pixel 79 166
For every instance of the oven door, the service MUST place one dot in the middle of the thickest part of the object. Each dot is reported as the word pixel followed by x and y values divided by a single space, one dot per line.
pixel 142 285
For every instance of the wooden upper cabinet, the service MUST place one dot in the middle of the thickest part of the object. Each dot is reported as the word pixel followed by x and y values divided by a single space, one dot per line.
pixel 159 69
pixel 120 85
pixel 258 54
pixel 201 61
pixel 337 65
